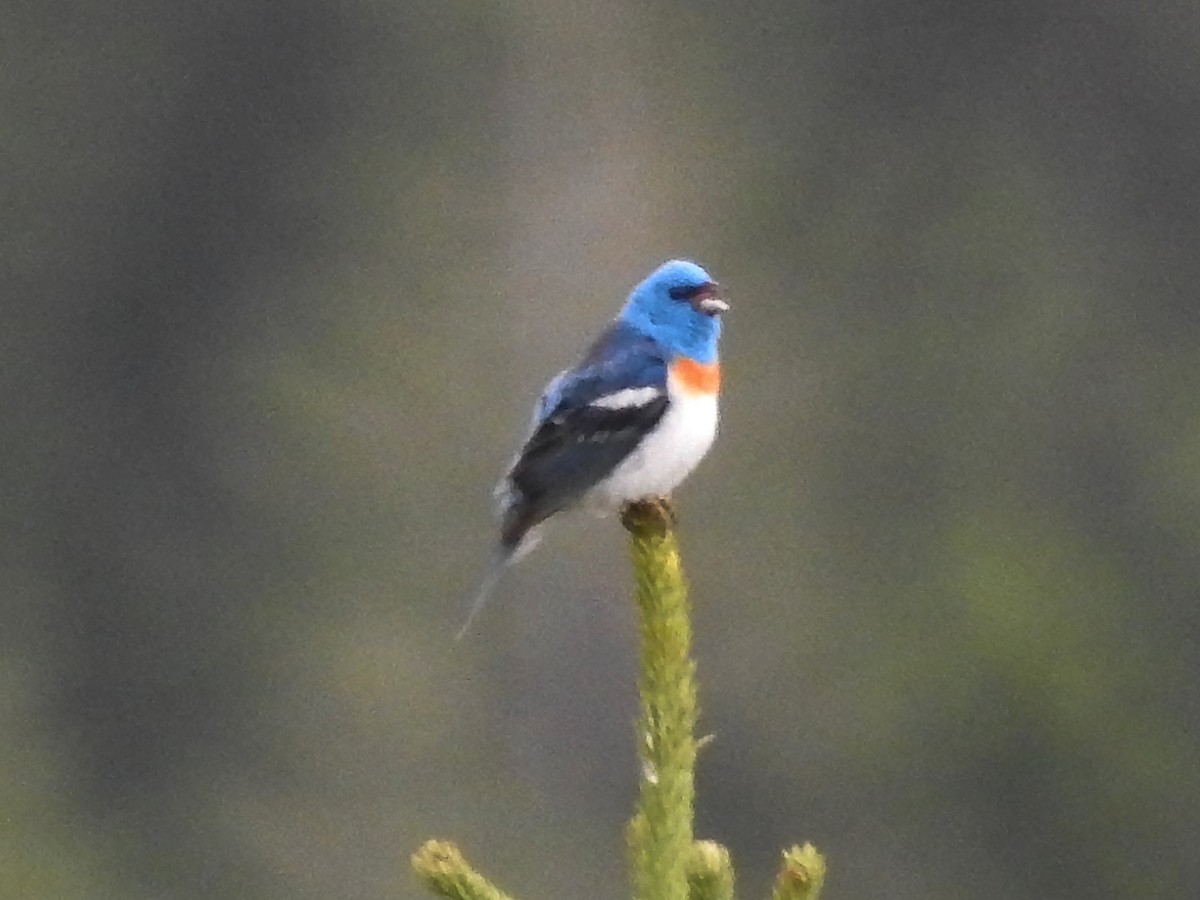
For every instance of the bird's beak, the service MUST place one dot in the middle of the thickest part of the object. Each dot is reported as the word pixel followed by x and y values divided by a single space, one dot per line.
pixel 709 302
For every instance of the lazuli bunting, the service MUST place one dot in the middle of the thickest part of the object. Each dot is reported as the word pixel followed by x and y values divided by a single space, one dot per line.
pixel 628 422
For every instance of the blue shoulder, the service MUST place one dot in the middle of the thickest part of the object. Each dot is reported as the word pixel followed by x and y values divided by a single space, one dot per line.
pixel 619 359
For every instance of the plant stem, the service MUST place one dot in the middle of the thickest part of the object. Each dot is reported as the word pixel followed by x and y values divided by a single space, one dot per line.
pixel 661 832
pixel 802 874
pixel 441 866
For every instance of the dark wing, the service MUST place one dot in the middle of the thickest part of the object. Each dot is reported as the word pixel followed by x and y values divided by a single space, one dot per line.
pixel 589 420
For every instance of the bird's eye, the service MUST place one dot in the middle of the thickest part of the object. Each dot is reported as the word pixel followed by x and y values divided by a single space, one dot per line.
pixel 685 291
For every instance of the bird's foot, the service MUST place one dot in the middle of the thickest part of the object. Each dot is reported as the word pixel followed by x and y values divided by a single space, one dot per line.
pixel 655 512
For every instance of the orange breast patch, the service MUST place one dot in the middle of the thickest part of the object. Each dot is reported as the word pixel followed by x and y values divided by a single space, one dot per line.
pixel 697 377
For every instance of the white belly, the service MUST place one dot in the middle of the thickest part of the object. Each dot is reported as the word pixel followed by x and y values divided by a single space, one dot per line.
pixel 665 456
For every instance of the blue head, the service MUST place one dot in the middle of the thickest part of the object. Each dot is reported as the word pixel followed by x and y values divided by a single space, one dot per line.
pixel 679 306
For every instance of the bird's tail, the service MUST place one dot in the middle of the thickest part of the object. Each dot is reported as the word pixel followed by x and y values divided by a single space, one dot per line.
pixel 487 584
pixel 518 535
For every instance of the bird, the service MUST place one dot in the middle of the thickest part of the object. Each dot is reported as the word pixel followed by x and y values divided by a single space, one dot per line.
pixel 628 422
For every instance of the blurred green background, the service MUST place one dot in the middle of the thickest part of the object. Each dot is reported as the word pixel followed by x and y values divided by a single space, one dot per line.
pixel 281 282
